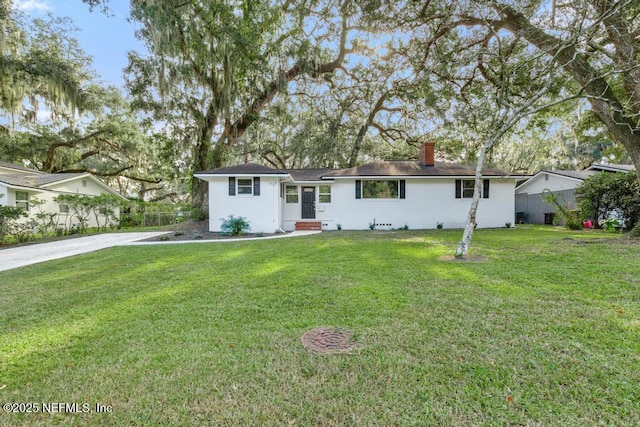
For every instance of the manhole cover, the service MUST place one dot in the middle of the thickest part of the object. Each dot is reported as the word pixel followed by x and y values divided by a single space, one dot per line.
pixel 330 340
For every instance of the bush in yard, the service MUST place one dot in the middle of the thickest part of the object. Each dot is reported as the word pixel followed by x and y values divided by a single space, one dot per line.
pixel 46 221
pixel 79 209
pixel 571 218
pixel 609 224
pixel 234 226
pixel 24 231
pixel 608 194
pixel 8 217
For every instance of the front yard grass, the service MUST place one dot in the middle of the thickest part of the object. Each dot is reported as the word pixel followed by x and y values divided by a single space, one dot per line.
pixel 542 328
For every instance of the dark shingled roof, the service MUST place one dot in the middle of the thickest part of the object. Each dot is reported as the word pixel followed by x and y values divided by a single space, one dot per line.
pixel 247 168
pixel 309 174
pixel 385 168
pixel 412 168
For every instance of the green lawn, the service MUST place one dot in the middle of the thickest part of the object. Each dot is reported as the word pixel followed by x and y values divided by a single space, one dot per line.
pixel 543 328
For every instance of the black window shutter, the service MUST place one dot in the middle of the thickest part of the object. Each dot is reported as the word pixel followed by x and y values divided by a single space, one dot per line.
pixel 256 186
pixel 232 186
pixel 402 188
pixel 458 188
pixel 485 188
pixel 358 189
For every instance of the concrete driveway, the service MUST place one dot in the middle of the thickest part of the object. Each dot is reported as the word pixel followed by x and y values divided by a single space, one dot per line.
pixel 32 254
pixel 40 252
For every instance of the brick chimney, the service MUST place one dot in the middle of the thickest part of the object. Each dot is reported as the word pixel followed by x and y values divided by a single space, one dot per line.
pixel 427 156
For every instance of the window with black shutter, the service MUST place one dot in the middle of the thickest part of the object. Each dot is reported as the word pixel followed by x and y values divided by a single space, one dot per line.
pixel 232 186
pixel 485 188
pixel 256 186
pixel 403 186
pixel 358 189
pixel 465 188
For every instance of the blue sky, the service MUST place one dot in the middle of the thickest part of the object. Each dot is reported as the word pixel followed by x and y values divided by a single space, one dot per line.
pixel 106 38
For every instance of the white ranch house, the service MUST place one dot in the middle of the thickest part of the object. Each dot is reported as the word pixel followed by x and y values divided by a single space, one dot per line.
pixel 20 186
pixel 392 194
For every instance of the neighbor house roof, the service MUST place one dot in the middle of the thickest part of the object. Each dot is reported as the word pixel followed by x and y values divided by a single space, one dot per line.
pixel 47 181
pixel 611 168
pixel 37 181
pixel 8 165
pixel 412 168
pixel 591 170
pixel 584 174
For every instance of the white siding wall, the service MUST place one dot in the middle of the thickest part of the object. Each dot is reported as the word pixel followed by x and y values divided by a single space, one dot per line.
pixel 537 184
pixel 263 211
pixel 76 187
pixel 4 196
pixel 428 201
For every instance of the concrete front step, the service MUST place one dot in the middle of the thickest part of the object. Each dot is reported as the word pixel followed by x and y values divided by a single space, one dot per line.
pixel 308 225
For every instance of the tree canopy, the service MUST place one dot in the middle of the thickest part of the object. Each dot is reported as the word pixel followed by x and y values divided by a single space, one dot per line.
pixel 520 84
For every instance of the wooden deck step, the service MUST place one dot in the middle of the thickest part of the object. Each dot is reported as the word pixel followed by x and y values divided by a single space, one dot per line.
pixel 308 225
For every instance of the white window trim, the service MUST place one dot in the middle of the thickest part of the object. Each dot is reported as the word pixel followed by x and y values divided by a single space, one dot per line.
pixel 325 194
pixel 23 201
pixel 297 194
pixel 238 193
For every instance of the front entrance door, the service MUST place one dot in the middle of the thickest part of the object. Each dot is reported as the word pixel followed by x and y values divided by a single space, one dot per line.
pixel 308 202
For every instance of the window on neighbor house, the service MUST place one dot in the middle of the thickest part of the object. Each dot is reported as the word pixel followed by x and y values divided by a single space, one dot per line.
pixel 379 189
pixel 245 186
pixel 22 200
pixel 63 208
pixel 324 194
pixel 292 194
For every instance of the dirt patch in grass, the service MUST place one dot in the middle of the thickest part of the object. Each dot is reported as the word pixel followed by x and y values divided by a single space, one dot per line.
pixel 468 258
pixel 624 240
pixel 197 230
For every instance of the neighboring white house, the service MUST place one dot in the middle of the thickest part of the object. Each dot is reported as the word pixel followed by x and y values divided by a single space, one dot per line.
pixel 21 186
pixel 530 205
pixel 418 194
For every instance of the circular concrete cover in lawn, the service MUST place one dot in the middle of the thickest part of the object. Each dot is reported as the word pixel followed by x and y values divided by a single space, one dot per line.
pixel 330 340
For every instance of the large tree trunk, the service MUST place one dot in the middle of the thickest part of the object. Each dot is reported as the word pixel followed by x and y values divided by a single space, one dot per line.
pixel 200 188
pixel 202 161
